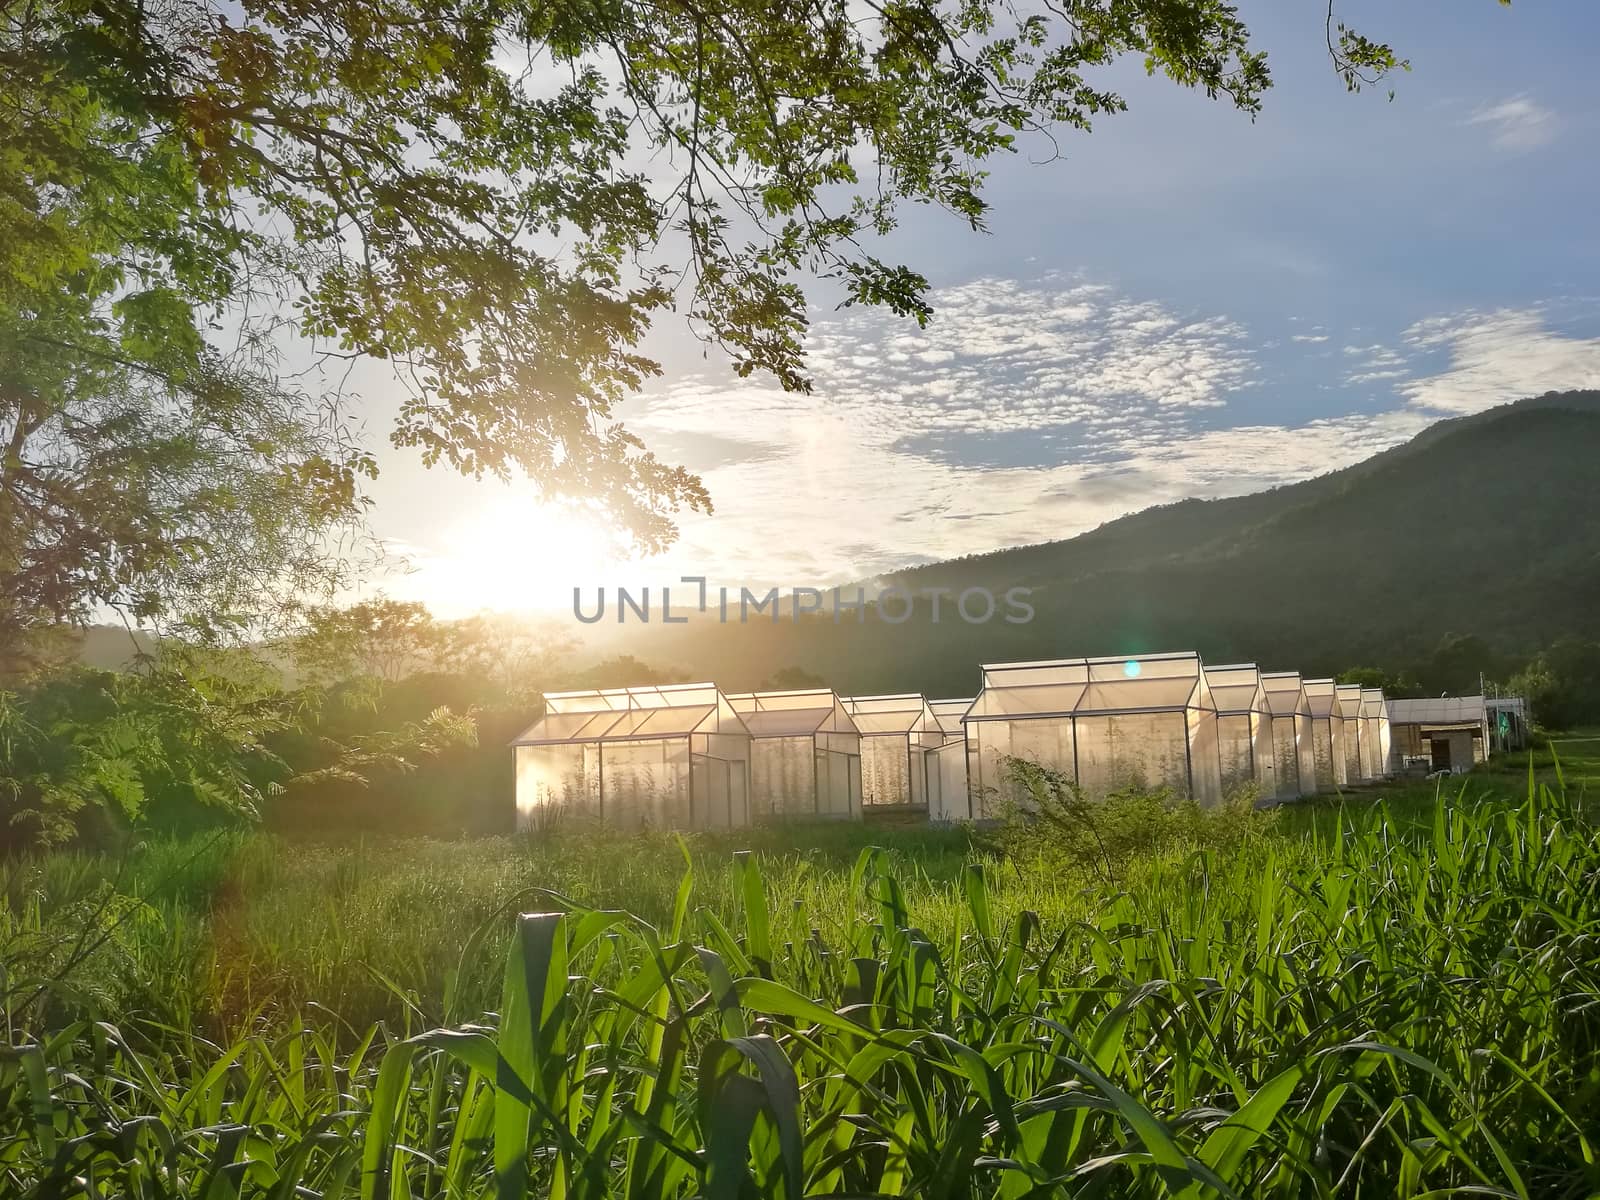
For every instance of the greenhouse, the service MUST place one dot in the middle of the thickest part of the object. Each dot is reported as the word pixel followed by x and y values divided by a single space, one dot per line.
pixel 674 756
pixel 1107 724
pixel 1244 729
pixel 953 801
pixel 805 754
pixel 1327 734
pixel 898 737
pixel 1292 755
pixel 1350 709
pixel 1374 733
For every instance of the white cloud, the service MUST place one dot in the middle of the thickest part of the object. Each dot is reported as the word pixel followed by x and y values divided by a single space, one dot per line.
pixel 1498 356
pixel 1313 338
pixel 1378 364
pixel 884 465
pixel 1517 123
pixel 1023 413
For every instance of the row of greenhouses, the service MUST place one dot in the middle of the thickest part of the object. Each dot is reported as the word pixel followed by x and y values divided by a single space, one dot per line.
pixel 688 756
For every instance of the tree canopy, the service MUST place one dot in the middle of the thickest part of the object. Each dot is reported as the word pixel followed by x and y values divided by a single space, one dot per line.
pixel 495 196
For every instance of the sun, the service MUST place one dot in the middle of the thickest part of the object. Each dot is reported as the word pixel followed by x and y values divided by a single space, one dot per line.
pixel 514 555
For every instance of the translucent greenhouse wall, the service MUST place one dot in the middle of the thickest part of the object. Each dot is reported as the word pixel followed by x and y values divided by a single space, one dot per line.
pixel 952 800
pixel 1244 731
pixel 1349 696
pixel 1143 723
pixel 783 776
pixel 1327 734
pixel 1236 744
pixel 886 775
pixel 839 788
pixel 805 754
pixel 1133 752
pixel 898 737
pixel 666 757
pixel 1374 734
pixel 1293 754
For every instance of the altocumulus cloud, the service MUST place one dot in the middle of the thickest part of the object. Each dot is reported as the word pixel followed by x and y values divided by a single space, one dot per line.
pixel 1119 402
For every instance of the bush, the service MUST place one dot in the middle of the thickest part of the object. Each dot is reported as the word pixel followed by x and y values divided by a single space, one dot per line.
pixel 1054 820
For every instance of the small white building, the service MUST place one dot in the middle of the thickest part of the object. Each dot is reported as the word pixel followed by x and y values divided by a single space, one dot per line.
pixel 1438 733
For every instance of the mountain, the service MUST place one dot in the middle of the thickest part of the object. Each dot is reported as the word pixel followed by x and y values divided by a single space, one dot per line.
pixel 1480 525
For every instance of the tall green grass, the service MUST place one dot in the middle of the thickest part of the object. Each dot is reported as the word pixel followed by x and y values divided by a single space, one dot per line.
pixel 1376 1009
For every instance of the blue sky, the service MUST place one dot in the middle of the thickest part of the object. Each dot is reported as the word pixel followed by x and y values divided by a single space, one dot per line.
pixel 1188 303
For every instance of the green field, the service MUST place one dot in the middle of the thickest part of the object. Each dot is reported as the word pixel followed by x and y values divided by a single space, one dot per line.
pixel 1392 993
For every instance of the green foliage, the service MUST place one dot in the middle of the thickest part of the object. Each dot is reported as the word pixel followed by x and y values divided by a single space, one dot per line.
pixel 791 679
pixel 192 737
pixel 1387 1009
pixel 1562 684
pixel 1048 821
pixel 91 751
pixel 457 188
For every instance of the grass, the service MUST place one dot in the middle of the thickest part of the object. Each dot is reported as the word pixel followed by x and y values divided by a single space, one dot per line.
pixel 1350 998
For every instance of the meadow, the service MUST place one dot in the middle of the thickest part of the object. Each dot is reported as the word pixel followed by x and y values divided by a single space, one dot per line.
pixel 1391 993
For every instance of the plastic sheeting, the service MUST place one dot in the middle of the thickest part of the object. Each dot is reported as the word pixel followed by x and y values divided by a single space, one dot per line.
pixel 952 800
pixel 805 754
pixel 1106 724
pixel 1293 752
pixel 1327 734
pixel 665 757
pixel 1349 697
pixel 898 737
pixel 1244 731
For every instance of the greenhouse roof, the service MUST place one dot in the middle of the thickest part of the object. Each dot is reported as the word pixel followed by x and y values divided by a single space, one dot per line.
pixel 1349 700
pixel 1086 686
pixel 628 714
pixel 1236 688
pixel 787 714
pixel 1323 697
pixel 1286 693
pixel 1439 710
pixel 949 714
pixel 899 714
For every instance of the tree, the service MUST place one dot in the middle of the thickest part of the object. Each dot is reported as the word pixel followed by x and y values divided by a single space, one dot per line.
pixel 515 654
pixel 496 196
pixel 199 503
pixel 1562 684
pixel 792 679
pixel 379 639
pixel 1394 686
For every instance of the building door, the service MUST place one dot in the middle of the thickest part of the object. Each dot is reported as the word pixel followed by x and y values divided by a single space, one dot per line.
pixel 1441 753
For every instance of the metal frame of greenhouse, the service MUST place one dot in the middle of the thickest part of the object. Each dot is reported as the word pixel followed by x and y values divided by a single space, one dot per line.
pixel 1292 754
pixel 1349 695
pixel 805 754
pixel 953 801
pixel 1143 721
pixel 1327 734
pixel 898 734
pixel 670 756
pixel 1244 729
